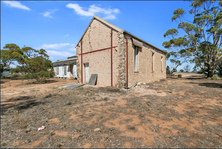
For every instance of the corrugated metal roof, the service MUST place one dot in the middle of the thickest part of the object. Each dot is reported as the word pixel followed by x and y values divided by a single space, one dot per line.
pixel 71 59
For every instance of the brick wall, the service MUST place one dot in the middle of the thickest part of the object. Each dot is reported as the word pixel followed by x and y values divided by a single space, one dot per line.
pixel 98 36
pixel 145 73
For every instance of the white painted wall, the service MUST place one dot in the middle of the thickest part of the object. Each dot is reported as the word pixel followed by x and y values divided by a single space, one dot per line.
pixel 74 70
pixel 61 70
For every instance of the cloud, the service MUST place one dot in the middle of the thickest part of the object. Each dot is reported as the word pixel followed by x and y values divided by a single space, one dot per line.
pixel 16 4
pixel 71 49
pixel 93 9
pixel 57 53
pixel 49 12
pixel 67 35
pixel 54 46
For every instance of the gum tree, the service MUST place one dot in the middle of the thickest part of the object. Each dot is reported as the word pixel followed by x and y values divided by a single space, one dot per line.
pixel 201 43
pixel 35 63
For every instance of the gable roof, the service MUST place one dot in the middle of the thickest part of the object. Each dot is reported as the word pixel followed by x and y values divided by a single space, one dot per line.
pixel 117 29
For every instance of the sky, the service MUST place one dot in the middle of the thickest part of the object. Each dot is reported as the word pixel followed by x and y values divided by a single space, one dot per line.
pixel 57 26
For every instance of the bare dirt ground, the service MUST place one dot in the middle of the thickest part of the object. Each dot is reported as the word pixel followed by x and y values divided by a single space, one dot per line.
pixel 184 112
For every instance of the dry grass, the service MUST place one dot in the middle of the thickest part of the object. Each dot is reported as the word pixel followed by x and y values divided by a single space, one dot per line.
pixel 172 113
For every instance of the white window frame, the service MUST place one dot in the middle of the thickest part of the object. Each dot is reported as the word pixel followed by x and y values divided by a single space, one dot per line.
pixel 161 63
pixel 57 70
pixel 136 51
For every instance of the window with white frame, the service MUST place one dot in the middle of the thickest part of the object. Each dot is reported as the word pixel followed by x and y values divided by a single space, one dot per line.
pixel 136 58
pixel 152 61
pixel 57 70
pixel 161 63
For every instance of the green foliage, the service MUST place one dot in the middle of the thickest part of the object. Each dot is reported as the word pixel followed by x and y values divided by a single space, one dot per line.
pixel 15 76
pixel 39 76
pixel 201 43
pixel 174 70
pixel 106 98
pixel 34 63
pixel 15 70
pixel 168 70
pixel 219 68
pixel 172 32
pixel 72 57
pixel 181 70
pixel 215 77
pixel 69 103
pixel 178 14
pixel 39 63
pixel 167 54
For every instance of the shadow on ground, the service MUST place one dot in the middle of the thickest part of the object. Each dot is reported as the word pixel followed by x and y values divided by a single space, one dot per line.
pixel 214 85
pixel 195 78
pixel 20 103
pixel 14 99
pixel 47 82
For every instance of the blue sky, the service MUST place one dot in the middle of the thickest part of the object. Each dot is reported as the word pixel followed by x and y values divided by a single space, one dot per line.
pixel 57 26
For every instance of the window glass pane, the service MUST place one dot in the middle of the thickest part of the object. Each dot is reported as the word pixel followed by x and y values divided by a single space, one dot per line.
pixel 161 63
pixel 136 59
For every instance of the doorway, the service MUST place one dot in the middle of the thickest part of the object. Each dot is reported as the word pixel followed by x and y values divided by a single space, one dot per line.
pixel 71 70
pixel 86 69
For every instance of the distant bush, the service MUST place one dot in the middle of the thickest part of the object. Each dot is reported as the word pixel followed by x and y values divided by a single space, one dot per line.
pixel 15 70
pixel 15 76
pixel 215 77
pixel 168 70
pixel 181 70
pixel 39 76
pixel 174 70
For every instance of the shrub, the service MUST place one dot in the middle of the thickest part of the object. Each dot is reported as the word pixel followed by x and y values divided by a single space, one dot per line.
pixel 15 76
pixel 167 70
pixel 215 77
pixel 39 76
pixel 181 70
pixel 106 98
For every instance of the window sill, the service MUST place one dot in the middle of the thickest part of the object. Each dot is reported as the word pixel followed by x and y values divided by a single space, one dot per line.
pixel 136 71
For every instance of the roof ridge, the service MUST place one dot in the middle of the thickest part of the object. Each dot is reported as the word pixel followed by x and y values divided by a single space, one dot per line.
pixel 117 29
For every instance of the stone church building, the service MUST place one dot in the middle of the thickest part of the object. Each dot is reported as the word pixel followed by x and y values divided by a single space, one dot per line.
pixel 118 58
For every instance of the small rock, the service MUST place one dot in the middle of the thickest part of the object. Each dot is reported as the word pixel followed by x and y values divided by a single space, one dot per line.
pixel 97 129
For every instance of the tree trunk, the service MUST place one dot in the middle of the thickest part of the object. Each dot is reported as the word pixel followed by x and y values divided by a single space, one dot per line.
pixel 210 72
